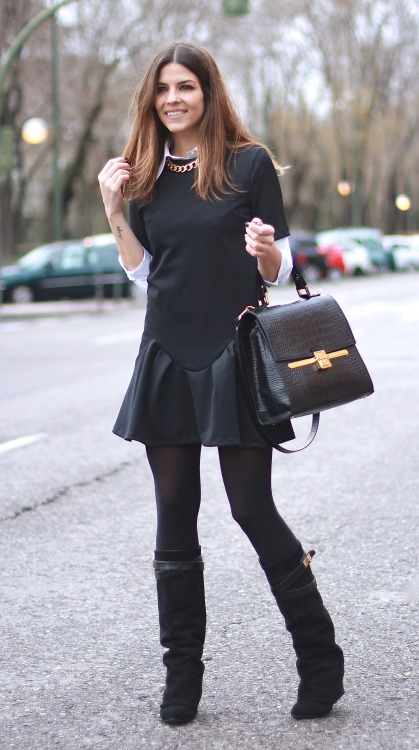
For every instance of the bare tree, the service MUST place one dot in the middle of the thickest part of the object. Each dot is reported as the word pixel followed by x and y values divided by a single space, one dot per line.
pixel 13 16
pixel 330 85
pixel 360 45
pixel 99 62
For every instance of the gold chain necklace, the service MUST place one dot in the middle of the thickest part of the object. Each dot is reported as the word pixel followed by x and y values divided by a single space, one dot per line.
pixel 181 167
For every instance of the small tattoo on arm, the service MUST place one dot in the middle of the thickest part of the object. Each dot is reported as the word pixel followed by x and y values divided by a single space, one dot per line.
pixel 119 232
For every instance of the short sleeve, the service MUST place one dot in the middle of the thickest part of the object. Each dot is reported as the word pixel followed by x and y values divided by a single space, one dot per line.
pixel 266 195
pixel 136 223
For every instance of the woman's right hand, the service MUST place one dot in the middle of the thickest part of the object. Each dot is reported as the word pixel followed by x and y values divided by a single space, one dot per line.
pixel 114 175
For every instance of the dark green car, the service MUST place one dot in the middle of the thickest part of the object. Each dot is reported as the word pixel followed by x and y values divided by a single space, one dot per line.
pixel 72 269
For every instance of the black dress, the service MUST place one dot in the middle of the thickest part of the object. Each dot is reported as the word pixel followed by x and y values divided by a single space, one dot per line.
pixel 186 387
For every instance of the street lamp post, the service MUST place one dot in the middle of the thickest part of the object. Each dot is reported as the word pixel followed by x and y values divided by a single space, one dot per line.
pixel 404 204
pixel 57 200
pixel 6 163
pixel 346 190
pixel 6 153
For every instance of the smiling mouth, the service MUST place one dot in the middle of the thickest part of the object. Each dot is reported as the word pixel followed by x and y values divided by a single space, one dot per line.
pixel 175 113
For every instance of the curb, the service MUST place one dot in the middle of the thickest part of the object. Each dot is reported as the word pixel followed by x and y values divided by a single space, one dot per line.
pixel 11 312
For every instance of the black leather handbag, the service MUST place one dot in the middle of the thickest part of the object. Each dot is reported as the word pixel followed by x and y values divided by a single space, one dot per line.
pixel 297 359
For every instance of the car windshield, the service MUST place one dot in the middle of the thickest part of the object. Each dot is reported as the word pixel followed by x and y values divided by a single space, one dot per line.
pixel 36 258
pixel 371 243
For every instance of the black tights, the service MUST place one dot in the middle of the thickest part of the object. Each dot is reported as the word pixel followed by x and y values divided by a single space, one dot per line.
pixel 246 474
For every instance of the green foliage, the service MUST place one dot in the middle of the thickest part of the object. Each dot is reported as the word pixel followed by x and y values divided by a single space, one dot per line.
pixel 235 7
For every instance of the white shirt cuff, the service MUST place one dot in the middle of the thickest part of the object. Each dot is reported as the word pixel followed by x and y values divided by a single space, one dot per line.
pixel 286 264
pixel 139 275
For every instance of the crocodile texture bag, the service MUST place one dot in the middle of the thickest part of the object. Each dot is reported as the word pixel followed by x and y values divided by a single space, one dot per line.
pixel 297 359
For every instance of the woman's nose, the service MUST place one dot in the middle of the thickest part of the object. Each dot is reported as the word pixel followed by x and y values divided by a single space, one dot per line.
pixel 172 95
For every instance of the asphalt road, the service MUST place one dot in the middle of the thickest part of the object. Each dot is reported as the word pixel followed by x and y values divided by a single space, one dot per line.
pixel 80 662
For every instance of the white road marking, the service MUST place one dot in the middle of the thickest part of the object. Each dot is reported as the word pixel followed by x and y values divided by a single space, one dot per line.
pixel 410 318
pixel 117 338
pixel 410 312
pixel 48 322
pixel 404 312
pixel 374 307
pixel 12 326
pixel 11 445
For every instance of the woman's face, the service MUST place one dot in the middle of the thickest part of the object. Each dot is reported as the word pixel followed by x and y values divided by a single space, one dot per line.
pixel 179 103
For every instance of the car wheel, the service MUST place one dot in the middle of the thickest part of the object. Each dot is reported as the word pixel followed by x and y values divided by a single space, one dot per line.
pixel 22 295
pixel 335 274
pixel 311 273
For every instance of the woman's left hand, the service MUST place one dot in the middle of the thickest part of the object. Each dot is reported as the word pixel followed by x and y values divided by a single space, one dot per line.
pixel 260 243
pixel 259 238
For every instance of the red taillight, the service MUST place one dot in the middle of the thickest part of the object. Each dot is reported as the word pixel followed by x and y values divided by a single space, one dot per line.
pixel 334 256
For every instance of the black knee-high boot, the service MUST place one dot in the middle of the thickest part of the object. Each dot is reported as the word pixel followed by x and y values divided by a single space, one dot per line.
pixel 319 658
pixel 182 617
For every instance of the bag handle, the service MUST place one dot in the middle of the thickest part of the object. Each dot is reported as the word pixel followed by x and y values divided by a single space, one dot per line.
pixel 300 284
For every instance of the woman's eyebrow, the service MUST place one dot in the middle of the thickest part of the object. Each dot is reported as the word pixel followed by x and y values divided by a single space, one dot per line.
pixel 179 83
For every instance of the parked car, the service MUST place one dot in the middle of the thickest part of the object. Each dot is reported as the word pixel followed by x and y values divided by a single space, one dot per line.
pixel 305 253
pixel 72 269
pixel 333 255
pixel 368 237
pixel 403 250
pixel 346 257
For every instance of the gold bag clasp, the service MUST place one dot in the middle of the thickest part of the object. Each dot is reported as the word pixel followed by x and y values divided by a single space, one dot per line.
pixel 320 359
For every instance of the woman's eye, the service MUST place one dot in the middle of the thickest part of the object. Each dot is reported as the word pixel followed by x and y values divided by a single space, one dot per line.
pixel 162 89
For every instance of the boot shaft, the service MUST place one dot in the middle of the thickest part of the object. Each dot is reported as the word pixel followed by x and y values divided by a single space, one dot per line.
pixel 182 618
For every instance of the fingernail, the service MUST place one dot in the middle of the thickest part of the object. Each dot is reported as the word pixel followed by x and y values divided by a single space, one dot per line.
pixel 247 224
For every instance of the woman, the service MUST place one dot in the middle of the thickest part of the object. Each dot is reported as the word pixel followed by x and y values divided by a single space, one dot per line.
pixel 206 216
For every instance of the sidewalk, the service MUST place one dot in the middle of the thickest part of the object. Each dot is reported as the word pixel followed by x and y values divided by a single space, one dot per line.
pixel 93 306
pixel 66 307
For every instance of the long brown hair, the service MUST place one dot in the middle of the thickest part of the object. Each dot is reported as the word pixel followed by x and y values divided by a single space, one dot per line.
pixel 221 130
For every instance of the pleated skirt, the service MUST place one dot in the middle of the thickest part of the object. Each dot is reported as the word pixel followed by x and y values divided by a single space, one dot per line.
pixel 166 404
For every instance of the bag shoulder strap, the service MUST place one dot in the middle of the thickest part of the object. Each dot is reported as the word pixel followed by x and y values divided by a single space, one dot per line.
pixel 304 292
pixel 312 434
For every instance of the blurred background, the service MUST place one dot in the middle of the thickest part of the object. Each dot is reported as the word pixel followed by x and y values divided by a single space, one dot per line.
pixel 330 85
